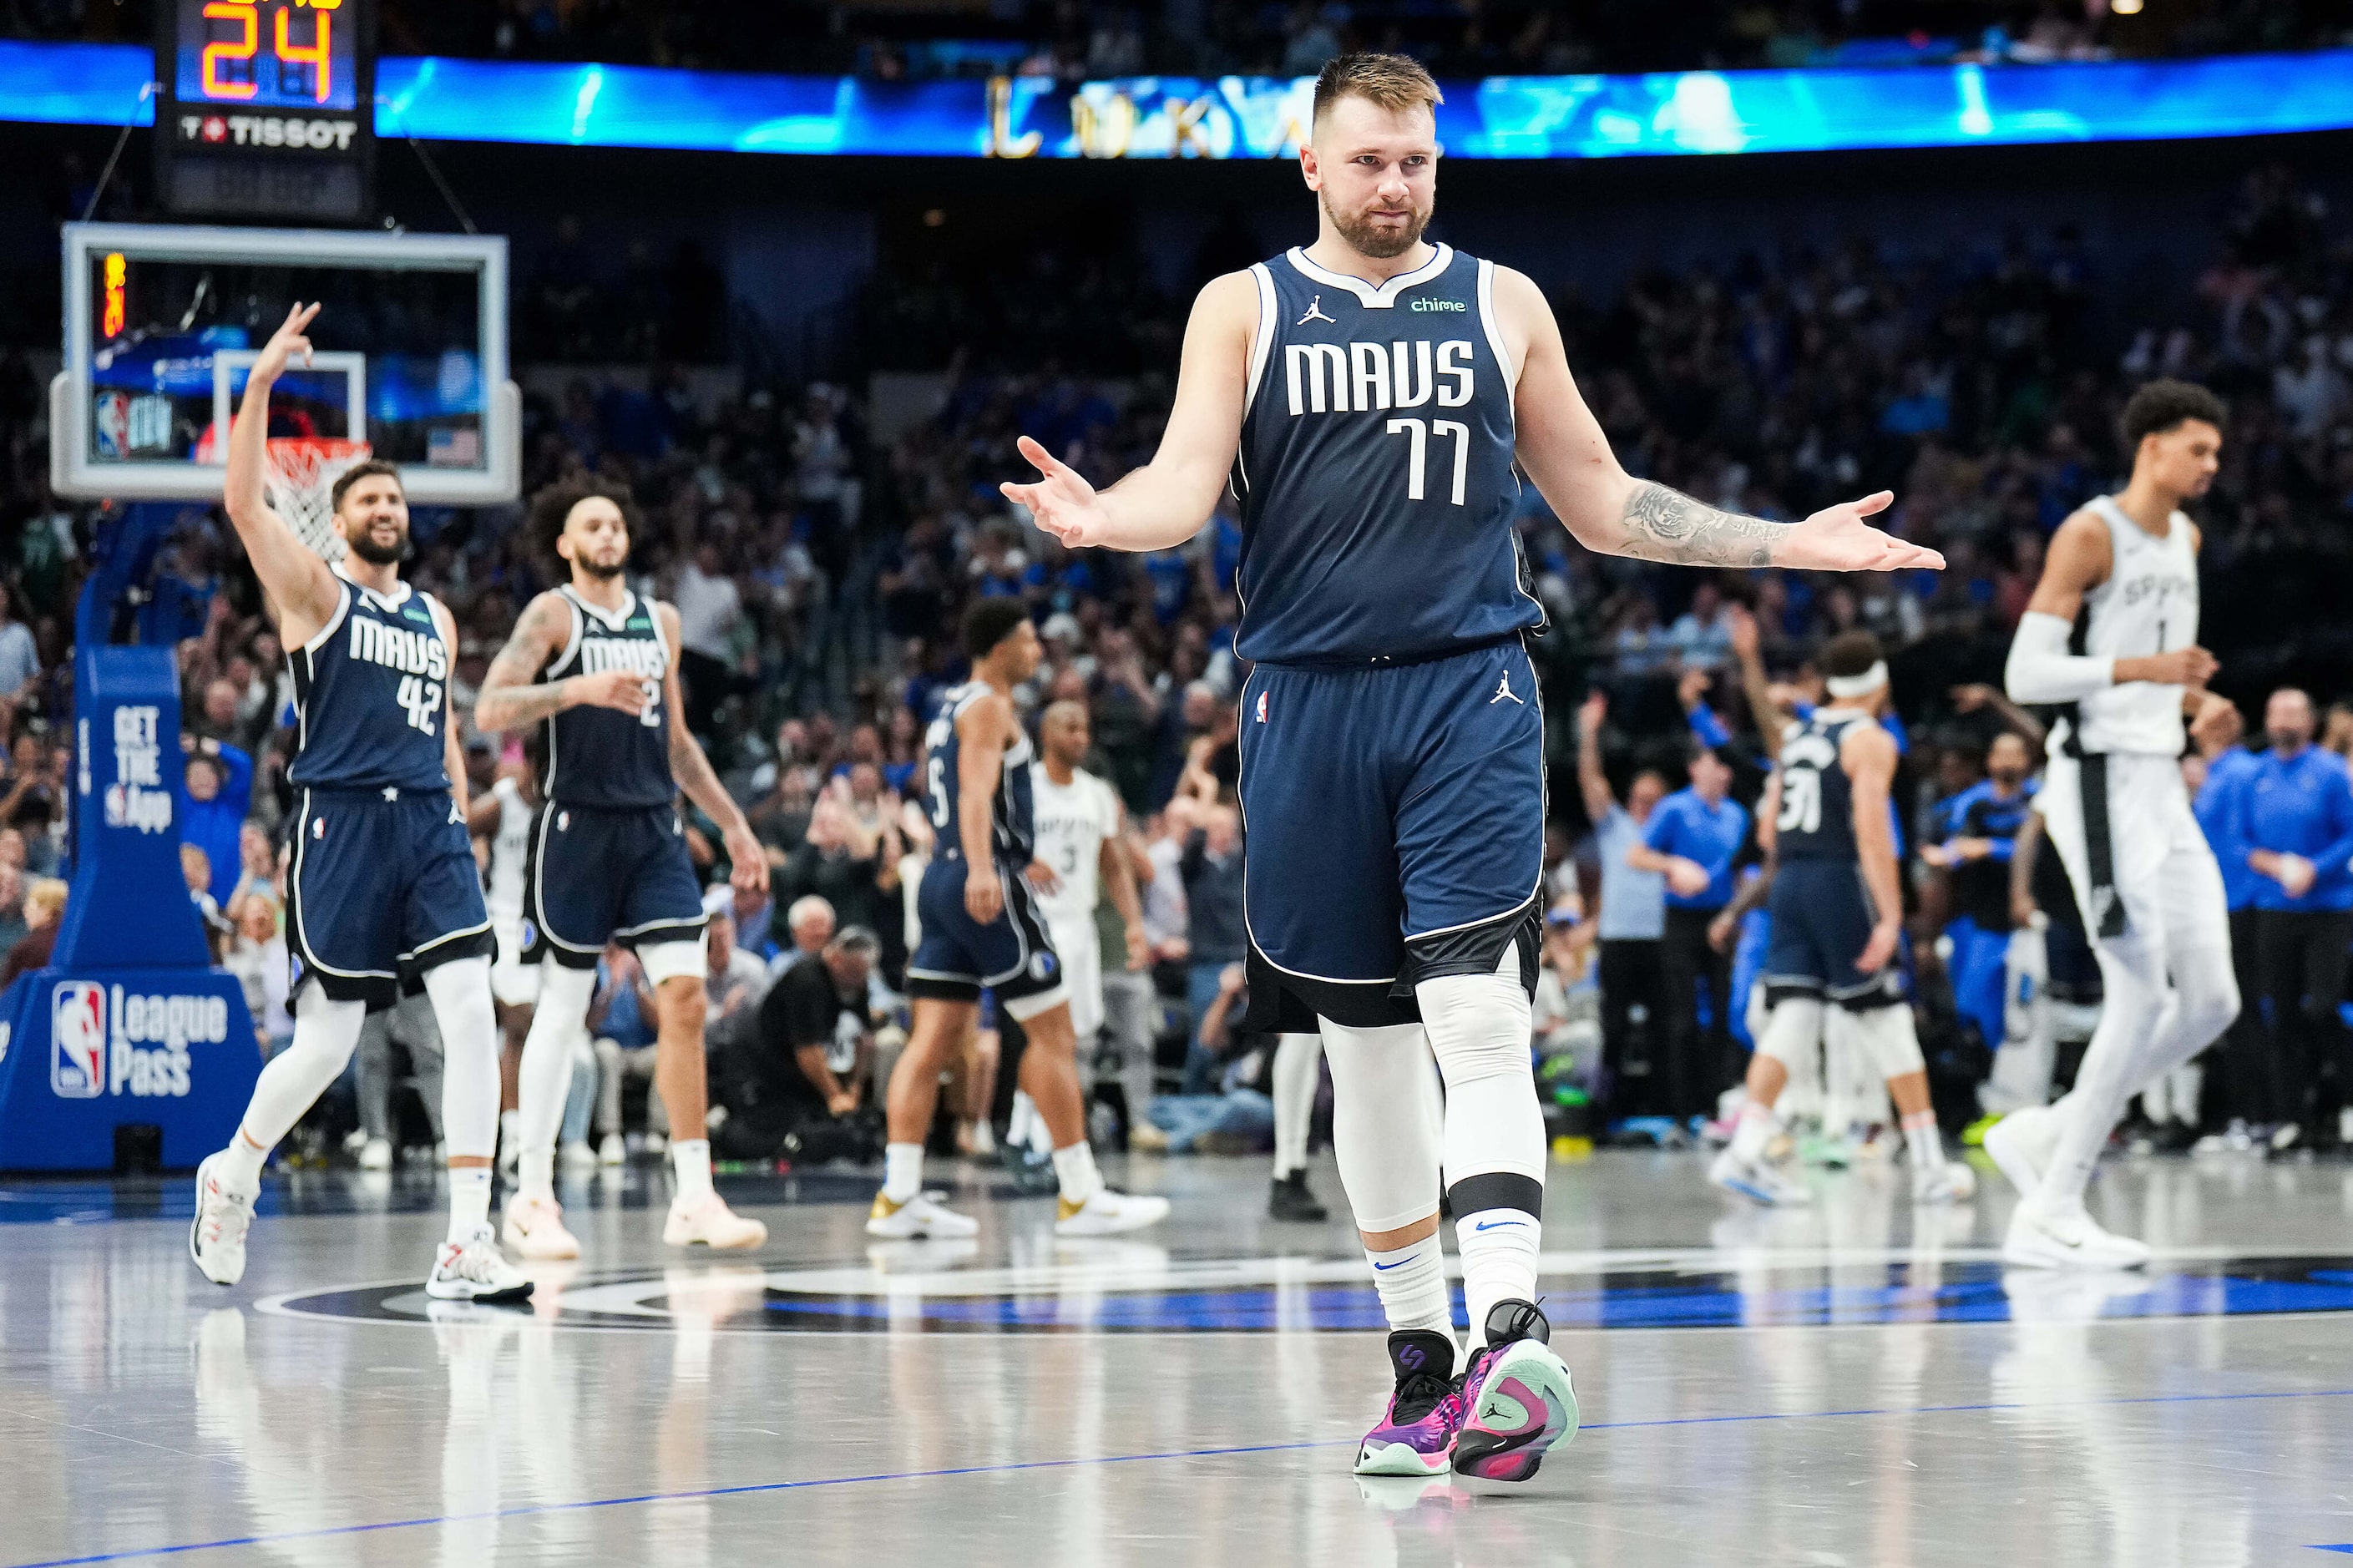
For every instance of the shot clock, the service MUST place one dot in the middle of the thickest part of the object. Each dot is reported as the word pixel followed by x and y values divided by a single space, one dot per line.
pixel 267 109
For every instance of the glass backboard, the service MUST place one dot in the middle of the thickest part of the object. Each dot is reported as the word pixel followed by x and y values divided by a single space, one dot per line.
pixel 163 322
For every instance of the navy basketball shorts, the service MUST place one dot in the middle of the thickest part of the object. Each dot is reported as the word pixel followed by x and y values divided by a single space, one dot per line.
pixel 1821 922
pixel 1394 831
pixel 595 876
pixel 381 890
pixel 1012 955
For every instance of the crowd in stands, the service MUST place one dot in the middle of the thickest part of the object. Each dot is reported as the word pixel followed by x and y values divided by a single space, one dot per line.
pixel 821 573
pixel 1076 40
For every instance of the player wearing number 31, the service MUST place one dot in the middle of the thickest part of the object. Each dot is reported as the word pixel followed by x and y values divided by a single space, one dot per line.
pixel 383 888
pixel 597 667
pixel 1365 397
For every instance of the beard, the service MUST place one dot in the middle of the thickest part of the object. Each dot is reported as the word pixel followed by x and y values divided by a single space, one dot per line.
pixel 1370 239
pixel 2006 781
pixel 363 545
pixel 2287 741
pixel 600 570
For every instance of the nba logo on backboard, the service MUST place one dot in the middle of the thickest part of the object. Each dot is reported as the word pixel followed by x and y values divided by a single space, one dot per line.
pixel 110 424
pixel 78 1040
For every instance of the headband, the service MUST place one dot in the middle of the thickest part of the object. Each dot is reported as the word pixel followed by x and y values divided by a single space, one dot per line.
pixel 1870 680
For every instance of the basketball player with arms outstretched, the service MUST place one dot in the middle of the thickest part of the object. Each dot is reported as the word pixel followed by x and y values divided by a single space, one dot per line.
pixel 1367 396
pixel 597 667
pixel 383 890
pixel 2112 631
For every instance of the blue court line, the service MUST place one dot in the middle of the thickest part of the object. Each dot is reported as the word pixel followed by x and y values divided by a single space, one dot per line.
pixel 756 1488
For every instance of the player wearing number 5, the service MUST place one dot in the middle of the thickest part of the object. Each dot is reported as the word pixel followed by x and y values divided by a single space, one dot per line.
pixel 382 890
pixel 1366 398
pixel 597 667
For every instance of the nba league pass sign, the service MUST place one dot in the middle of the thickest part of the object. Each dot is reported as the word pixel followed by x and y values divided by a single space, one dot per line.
pixel 104 1040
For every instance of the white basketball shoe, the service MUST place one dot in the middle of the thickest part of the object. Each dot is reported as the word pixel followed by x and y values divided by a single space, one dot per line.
pixel 1107 1212
pixel 921 1215
pixel 475 1270
pixel 217 1239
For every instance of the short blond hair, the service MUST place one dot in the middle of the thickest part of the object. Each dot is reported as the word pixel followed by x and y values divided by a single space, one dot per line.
pixel 46 897
pixel 1394 83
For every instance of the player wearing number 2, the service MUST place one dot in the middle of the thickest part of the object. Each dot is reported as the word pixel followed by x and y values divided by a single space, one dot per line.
pixel 1366 398
pixel 383 891
pixel 597 667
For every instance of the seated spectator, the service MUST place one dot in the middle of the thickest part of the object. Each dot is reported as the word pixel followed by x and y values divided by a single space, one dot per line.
pixel 1236 1117
pixel 735 978
pixel 621 1027
pixel 840 860
pixel 258 958
pixel 45 908
pixel 797 1081
pixel 257 857
pixel 808 923
pixel 220 797
pixel 197 867
pixel 1212 869
pixel 14 925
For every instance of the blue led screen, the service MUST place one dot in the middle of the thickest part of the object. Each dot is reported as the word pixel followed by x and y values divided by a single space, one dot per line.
pixel 1236 117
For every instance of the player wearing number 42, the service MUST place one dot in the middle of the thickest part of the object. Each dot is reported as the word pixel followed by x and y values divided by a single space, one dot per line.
pixel 1368 398
pixel 596 668
pixel 383 888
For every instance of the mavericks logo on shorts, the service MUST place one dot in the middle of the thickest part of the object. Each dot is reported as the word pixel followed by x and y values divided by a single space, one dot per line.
pixel 1042 966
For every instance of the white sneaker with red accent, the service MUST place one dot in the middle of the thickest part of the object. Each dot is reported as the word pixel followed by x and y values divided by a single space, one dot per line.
pixel 711 1223
pixel 475 1270
pixel 217 1239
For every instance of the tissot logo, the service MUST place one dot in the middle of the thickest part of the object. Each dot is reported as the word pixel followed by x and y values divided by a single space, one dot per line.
pixel 320 133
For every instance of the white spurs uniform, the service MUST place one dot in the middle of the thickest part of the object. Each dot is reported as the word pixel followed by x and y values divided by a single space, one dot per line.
pixel 1072 822
pixel 513 982
pixel 2163 871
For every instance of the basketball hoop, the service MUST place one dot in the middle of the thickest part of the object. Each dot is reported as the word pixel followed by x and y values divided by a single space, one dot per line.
pixel 302 474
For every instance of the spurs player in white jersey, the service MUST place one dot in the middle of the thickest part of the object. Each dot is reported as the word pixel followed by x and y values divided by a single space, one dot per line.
pixel 2112 631
pixel 1078 821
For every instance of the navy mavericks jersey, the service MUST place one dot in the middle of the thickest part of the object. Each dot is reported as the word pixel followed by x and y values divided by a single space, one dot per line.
pixel 1817 820
pixel 596 756
pixel 1375 471
pixel 1013 828
pixel 1982 887
pixel 370 695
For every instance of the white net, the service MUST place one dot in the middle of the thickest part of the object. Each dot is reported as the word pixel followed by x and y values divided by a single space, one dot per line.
pixel 303 475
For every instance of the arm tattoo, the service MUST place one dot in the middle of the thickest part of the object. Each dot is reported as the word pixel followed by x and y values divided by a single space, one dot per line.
pixel 512 697
pixel 1667 525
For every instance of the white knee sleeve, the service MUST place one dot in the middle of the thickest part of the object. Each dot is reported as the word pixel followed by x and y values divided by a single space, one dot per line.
pixel 1793 1032
pixel 1295 1059
pixel 324 1034
pixel 673 960
pixel 1481 1032
pixel 1385 1122
pixel 2138 1012
pixel 1884 1037
pixel 558 1032
pixel 460 991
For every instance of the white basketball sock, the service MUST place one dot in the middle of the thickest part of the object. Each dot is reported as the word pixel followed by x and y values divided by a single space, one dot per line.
pixel 1074 1168
pixel 544 1082
pixel 902 1172
pixel 690 1158
pixel 1926 1144
pixel 469 1201
pixel 324 1035
pixel 1411 1280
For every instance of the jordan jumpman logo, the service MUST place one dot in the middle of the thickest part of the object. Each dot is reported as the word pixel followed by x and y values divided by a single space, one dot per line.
pixel 1315 312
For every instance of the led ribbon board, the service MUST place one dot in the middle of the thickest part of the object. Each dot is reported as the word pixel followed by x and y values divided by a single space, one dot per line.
pixel 1662 114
